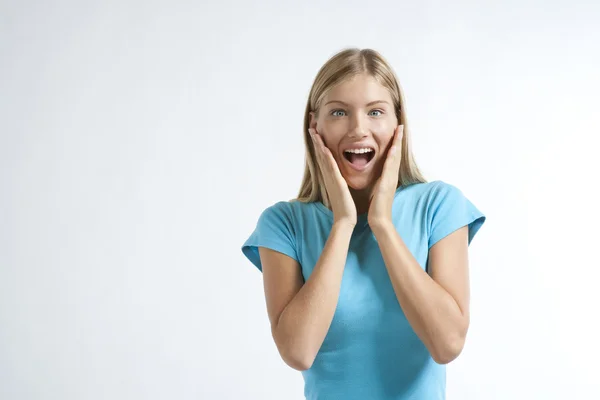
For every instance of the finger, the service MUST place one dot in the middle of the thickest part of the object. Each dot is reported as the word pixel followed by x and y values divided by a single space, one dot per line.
pixel 397 142
pixel 400 134
pixel 322 160
pixel 316 146
pixel 321 147
pixel 395 151
pixel 327 158
pixel 392 162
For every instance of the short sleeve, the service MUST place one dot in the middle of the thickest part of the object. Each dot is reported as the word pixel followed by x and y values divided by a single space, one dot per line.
pixel 450 210
pixel 274 230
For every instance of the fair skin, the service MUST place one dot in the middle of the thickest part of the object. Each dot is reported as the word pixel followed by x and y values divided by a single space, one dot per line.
pixel 436 304
pixel 359 111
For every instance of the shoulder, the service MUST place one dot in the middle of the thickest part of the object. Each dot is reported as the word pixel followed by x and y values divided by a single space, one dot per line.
pixel 287 209
pixel 431 196
pixel 292 213
pixel 448 209
pixel 276 229
pixel 280 211
pixel 441 188
pixel 441 194
pixel 430 190
pixel 280 207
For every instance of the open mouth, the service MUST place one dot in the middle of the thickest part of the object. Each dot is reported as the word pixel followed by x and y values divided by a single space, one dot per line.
pixel 359 159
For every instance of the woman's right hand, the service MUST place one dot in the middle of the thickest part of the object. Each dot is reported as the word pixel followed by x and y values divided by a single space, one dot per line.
pixel 340 199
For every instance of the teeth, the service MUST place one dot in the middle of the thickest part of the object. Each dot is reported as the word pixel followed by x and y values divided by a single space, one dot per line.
pixel 359 151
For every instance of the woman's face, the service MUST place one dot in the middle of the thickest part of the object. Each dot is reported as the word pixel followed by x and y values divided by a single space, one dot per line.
pixel 357 114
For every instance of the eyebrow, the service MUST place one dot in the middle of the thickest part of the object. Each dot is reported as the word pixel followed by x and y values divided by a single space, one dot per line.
pixel 368 105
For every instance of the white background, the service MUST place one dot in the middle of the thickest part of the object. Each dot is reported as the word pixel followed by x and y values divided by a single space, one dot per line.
pixel 139 142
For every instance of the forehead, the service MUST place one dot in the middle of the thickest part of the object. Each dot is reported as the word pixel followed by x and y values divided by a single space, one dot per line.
pixel 358 90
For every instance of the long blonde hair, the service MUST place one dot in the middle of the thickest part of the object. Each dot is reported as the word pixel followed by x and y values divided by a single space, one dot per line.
pixel 339 68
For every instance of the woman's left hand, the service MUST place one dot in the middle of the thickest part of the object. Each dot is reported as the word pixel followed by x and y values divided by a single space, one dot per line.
pixel 382 197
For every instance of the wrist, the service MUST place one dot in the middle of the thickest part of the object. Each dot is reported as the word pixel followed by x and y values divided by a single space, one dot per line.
pixel 343 225
pixel 381 225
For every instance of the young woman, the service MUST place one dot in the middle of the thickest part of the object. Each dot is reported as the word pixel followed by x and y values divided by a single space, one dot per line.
pixel 366 272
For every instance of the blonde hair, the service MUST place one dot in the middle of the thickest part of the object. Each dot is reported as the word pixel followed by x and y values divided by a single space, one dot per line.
pixel 341 67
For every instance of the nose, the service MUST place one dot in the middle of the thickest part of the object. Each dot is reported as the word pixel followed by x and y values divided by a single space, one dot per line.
pixel 357 126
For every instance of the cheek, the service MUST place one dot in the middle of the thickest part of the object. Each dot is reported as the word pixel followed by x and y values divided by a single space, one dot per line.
pixel 384 130
pixel 334 129
pixel 385 140
pixel 331 135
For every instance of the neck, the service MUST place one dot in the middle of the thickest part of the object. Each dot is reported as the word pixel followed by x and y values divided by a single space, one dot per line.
pixel 361 199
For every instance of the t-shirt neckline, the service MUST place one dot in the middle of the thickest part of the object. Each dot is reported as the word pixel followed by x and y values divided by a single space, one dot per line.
pixel 361 219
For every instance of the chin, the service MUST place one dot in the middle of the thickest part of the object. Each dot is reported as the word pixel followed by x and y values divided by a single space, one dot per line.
pixel 359 182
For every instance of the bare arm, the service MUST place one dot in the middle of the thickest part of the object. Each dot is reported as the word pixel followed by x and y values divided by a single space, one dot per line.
pixel 436 305
pixel 301 314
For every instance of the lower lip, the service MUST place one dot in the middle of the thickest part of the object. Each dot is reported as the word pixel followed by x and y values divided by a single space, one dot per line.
pixel 357 168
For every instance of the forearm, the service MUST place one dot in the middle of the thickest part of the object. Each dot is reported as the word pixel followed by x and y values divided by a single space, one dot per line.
pixel 304 323
pixel 431 311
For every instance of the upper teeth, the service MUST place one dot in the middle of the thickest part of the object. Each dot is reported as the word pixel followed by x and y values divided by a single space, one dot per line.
pixel 359 151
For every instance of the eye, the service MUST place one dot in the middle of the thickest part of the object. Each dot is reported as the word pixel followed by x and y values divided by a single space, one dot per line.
pixel 334 111
pixel 379 111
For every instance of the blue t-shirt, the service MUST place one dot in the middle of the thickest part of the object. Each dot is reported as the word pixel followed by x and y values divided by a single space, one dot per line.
pixel 370 351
